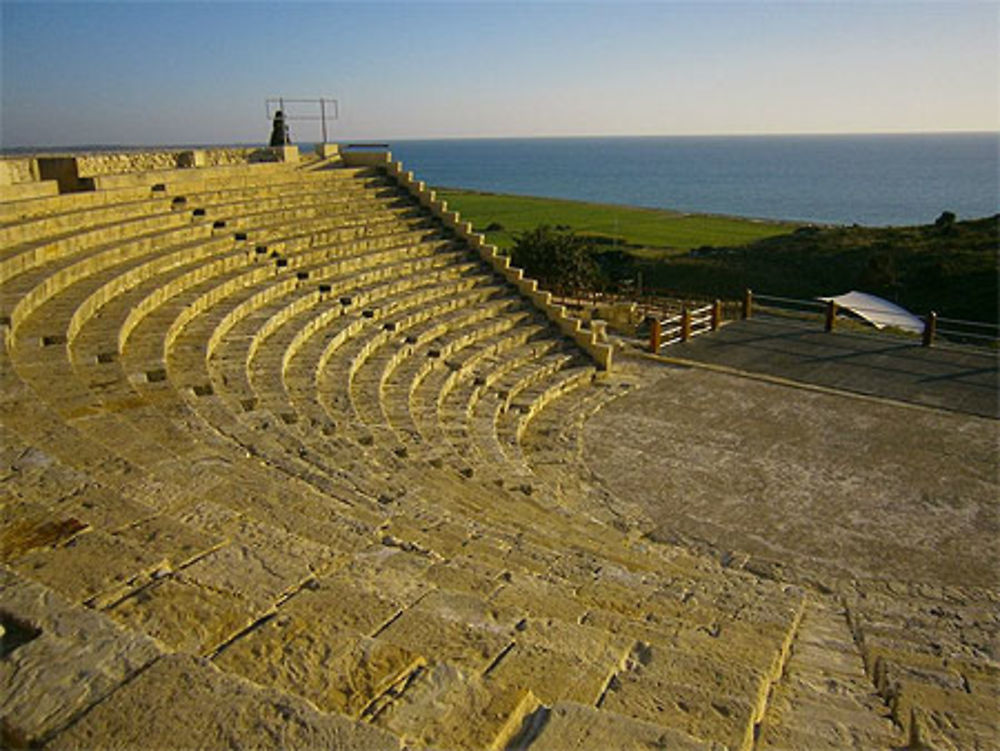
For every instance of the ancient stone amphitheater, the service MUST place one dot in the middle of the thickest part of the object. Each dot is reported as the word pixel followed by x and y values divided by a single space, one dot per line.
pixel 291 458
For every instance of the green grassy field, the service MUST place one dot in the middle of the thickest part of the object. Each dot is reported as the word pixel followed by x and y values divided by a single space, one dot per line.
pixel 648 233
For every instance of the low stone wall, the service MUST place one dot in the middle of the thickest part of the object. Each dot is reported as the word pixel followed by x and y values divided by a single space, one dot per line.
pixel 115 163
pixel 17 170
pixel 587 339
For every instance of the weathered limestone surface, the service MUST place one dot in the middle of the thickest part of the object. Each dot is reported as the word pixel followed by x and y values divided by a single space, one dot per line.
pixel 76 658
pixel 93 565
pixel 185 616
pixel 577 726
pixel 315 646
pixel 446 707
pixel 823 699
pixel 185 702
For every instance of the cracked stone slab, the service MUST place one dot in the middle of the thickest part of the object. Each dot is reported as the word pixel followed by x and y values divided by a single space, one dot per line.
pixel 179 543
pixel 335 525
pixel 540 597
pixel 183 616
pixel 709 634
pixel 314 645
pixel 465 574
pixel 220 521
pixel 93 566
pixel 453 627
pixel 445 707
pixel 261 565
pixel 77 658
pixel 390 572
pixel 562 661
pixel 186 702
pixel 338 672
pixel 101 507
pixel 258 576
pixel 568 726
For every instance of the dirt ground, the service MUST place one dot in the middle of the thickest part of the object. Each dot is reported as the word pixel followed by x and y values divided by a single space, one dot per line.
pixel 831 484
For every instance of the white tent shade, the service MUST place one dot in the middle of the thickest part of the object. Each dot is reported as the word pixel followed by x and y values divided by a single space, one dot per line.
pixel 878 311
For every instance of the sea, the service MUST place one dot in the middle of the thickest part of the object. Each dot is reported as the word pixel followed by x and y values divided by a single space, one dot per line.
pixel 874 180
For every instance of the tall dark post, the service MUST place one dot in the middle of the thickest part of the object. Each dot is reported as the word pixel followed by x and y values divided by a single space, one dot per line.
pixel 654 336
pixel 930 328
pixel 831 315
pixel 685 323
pixel 716 315
pixel 747 303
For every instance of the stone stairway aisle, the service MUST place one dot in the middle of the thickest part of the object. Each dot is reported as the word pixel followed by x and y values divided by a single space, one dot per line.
pixel 823 699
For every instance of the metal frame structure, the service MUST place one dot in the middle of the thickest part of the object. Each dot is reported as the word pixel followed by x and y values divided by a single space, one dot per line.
pixel 273 104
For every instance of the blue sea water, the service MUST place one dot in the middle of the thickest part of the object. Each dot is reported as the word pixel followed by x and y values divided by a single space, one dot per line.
pixel 874 180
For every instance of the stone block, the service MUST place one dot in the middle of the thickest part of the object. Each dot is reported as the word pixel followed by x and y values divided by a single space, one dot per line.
pixel 186 702
pixel 262 577
pixel 568 726
pixel 337 670
pixel 76 658
pixel 92 567
pixel 446 707
pixel 451 627
pixel 192 158
pixel 465 574
pixel 704 701
pixel 262 563
pixel 162 535
pixel 184 616
pixel 25 526
pixel 539 597
pixel 388 571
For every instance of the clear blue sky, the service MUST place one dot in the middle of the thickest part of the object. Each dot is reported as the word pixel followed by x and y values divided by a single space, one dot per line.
pixel 152 73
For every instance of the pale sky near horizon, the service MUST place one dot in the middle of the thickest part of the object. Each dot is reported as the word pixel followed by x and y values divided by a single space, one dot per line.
pixel 143 73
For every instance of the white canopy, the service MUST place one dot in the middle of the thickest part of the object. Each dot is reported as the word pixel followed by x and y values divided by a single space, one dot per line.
pixel 877 311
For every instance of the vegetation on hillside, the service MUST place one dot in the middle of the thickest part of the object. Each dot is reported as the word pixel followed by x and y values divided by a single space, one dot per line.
pixel 949 266
pixel 562 260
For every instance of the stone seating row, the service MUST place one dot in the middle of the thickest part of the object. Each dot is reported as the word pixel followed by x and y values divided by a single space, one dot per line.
pixel 18 266
pixel 24 222
pixel 931 654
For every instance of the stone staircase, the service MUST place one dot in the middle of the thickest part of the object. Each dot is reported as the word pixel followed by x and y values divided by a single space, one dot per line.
pixel 286 464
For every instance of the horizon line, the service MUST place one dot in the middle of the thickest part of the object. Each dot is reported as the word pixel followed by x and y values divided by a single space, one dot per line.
pixel 4 149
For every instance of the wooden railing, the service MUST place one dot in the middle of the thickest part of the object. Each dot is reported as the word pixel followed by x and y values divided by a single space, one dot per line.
pixel 690 322
pixel 936 329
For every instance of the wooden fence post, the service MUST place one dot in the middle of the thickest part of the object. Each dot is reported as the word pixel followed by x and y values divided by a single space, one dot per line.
pixel 654 336
pixel 831 315
pixel 685 324
pixel 747 304
pixel 716 315
pixel 930 328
